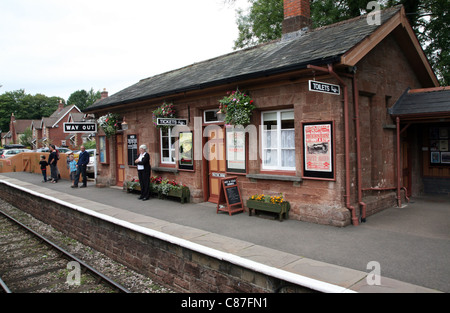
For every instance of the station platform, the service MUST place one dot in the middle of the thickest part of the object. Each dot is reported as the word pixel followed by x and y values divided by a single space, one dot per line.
pixel 411 245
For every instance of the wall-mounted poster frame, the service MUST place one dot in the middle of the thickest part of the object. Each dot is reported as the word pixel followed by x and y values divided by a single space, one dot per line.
pixel 318 150
pixel 186 151
pixel 132 149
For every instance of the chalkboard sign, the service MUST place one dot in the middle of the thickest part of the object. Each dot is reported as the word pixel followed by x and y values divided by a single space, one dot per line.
pixel 230 195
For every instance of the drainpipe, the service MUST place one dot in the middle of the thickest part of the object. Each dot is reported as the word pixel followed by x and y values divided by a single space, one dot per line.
pixel 399 199
pixel 352 209
pixel 358 148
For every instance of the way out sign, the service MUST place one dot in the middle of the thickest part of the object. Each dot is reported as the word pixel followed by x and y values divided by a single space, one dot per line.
pixel 75 128
pixel 324 87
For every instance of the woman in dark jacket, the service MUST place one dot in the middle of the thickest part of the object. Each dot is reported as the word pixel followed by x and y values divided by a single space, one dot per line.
pixel 144 170
pixel 53 162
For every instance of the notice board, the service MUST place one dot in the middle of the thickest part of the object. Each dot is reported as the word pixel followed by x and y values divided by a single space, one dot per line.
pixel 230 199
pixel 318 150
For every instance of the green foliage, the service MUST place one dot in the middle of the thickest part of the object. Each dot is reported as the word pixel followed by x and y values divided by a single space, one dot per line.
pixel 90 145
pixel 166 110
pixel 26 138
pixel 429 19
pixel 238 107
pixel 109 123
pixel 25 106
pixel 83 99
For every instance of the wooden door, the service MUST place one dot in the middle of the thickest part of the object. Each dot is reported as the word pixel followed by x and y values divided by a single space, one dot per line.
pixel 120 160
pixel 216 161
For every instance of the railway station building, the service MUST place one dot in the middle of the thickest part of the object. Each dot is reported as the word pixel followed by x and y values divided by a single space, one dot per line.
pixel 323 132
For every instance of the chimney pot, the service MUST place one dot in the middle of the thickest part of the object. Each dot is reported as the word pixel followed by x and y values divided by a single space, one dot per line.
pixel 104 94
pixel 297 15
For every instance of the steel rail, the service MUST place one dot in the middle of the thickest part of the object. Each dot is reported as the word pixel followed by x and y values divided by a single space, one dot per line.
pixel 69 255
pixel 4 286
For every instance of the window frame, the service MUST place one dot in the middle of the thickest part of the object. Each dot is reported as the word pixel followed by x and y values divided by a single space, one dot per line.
pixel 278 148
pixel 172 151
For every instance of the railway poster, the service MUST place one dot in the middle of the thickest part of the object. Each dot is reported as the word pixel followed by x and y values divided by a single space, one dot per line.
pixel 318 150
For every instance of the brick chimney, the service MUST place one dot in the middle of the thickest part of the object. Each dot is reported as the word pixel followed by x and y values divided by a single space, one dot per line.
pixel 60 106
pixel 297 15
pixel 104 94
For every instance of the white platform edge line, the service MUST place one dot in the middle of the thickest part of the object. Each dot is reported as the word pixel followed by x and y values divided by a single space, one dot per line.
pixel 297 279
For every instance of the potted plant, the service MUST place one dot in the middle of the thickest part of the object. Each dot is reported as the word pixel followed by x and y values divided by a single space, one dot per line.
pixel 274 204
pixel 109 123
pixel 166 110
pixel 132 185
pixel 238 108
pixel 170 188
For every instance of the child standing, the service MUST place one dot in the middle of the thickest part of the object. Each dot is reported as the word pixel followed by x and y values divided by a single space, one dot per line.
pixel 43 165
pixel 73 168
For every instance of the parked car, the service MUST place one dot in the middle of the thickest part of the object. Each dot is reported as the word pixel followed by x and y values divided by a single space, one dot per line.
pixel 92 160
pixel 60 149
pixel 10 152
pixel 64 150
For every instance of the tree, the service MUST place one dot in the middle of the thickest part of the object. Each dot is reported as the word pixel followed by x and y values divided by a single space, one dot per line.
pixel 25 106
pixel 26 138
pixel 429 19
pixel 82 99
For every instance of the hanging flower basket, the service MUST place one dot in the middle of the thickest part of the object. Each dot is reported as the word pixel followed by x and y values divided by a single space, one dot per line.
pixel 238 108
pixel 109 123
pixel 166 110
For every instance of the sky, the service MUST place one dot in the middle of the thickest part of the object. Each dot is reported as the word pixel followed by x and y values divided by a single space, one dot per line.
pixel 56 47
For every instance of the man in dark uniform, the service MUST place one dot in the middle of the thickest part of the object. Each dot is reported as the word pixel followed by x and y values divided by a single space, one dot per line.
pixel 83 161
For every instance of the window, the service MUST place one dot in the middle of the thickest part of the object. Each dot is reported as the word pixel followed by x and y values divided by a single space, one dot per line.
pixel 278 140
pixel 167 146
pixel 103 150
pixel 186 151
pixel 210 116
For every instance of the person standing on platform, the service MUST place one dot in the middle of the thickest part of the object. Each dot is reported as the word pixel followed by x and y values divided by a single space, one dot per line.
pixel 43 165
pixel 144 170
pixel 53 162
pixel 83 161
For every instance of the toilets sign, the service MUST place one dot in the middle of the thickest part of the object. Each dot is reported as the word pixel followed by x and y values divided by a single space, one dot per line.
pixel 324 87
pixel 80 128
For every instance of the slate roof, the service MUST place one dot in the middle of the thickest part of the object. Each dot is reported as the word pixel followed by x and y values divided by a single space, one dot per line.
pixel 426 101
pixel 293 52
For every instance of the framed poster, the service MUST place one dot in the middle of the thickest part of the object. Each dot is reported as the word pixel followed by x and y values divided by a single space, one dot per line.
pixel 445 157
pixel 235 150
pixel 186 151
pixel 132 148
pixel 439 146
pixel 318 150
pixel 435 157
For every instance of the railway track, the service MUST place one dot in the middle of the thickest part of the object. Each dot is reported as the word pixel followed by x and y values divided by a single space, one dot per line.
pixel 30 263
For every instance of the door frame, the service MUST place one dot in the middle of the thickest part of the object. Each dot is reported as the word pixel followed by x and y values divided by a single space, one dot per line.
pixel 119 167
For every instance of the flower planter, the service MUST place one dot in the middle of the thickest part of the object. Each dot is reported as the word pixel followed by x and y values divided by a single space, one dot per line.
pixel 130 186
pixel 182 193
pixel 280 209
